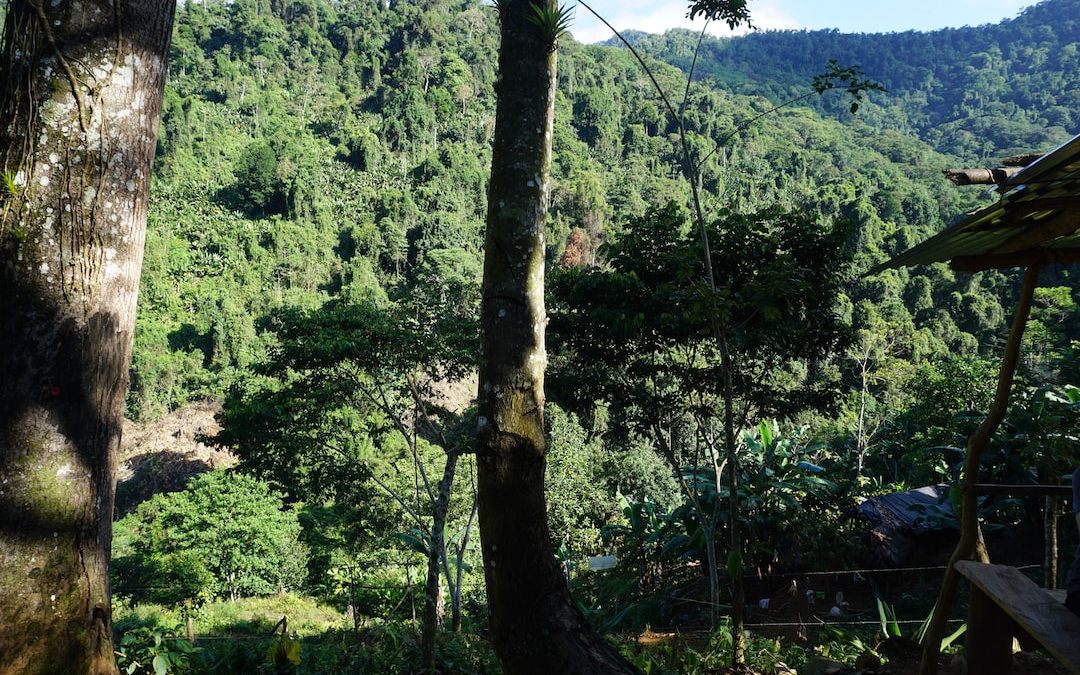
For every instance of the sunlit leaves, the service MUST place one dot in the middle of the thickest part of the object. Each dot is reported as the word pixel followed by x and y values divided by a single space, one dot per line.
pixel 849 78
pixel 734 13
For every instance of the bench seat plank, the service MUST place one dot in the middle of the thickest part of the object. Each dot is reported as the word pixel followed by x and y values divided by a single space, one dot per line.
pixel 1034 609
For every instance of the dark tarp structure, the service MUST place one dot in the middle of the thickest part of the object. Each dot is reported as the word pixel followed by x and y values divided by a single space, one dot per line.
pixel 897 521
pixel 907 510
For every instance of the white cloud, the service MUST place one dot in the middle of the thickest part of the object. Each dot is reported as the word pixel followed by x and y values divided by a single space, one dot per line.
pixel 656 17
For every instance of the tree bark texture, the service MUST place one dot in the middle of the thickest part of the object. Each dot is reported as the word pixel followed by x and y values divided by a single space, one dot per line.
pixel 971 542
pixel 535 627
pixel 80 95
pixel 1050 535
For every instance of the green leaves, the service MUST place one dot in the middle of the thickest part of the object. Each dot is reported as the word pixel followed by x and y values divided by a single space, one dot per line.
pixel 552 20
pixel 886 616
pixel 416 540
pixel 225 535
pixel 9 183
pixel 329 394
pixel 849 78
pixel 734 563
pixel 161 664
pixel 637 333
pixel 732 12
pixel 147 650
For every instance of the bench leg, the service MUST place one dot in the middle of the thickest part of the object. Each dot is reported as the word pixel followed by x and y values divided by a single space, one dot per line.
pixel 989 640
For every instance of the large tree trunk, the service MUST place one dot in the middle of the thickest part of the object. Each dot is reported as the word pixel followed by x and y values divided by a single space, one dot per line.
pixel 80 96
pixel 535 627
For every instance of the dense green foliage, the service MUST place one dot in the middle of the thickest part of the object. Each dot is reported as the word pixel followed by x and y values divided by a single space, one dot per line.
pixel 226 535
pixel 325 408
pixel 312 151
pixel 636 334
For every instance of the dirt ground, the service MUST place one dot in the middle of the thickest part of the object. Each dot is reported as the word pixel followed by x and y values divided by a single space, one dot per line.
pixel 163 455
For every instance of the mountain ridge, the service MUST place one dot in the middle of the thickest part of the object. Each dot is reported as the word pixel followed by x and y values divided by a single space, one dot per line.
pixel 1005 88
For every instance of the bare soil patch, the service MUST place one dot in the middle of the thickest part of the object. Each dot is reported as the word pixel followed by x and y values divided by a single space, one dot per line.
pixel 163 455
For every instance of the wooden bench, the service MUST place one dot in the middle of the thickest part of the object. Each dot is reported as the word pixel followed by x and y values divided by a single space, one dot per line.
pixel 1004 604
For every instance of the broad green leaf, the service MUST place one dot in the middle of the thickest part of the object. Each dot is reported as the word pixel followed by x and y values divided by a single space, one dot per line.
pixel 734 563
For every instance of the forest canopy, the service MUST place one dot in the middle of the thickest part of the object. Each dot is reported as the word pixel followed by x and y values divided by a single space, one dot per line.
pixel 314 263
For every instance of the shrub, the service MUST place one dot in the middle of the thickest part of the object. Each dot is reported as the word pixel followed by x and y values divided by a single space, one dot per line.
pixel 226 535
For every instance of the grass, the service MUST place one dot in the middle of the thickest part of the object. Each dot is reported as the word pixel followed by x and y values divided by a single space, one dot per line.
pixel 245 617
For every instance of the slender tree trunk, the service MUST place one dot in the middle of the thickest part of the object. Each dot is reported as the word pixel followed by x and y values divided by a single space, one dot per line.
pixel 535 627
pixel 434 607
pixel 971 541
pixel 860 433
pixel 711 559
pixel 709 528
pixel 80 96
pixel 1050 563
pixel 738 588
pixel 455 596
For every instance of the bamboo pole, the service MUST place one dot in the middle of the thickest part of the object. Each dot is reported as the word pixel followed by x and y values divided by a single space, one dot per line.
pixel 970 534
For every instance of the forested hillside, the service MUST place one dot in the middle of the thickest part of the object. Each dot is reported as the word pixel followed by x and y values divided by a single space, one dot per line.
pixel 312 150
pixel 975 92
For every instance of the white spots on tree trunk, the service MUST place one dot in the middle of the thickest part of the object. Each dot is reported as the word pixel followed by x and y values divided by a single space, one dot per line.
pixel 112 271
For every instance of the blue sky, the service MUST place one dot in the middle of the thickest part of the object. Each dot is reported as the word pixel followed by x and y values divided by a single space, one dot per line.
pixel 656 16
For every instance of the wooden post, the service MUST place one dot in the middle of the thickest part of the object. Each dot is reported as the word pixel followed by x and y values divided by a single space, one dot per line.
pixel 970 534
pixel 988 645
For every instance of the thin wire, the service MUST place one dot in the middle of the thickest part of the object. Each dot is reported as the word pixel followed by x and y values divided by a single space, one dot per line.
pixel 780 575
